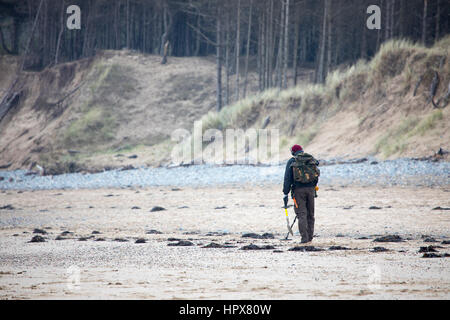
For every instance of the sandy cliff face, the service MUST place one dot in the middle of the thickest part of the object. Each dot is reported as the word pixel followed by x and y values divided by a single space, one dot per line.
pixel 121 108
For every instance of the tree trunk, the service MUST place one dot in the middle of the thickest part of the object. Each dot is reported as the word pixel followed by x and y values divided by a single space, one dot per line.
pixel 380 33
pixel 271 48
pixel 329 41
pixel 128 24
pixel 61 30
pixel 219 58
pixel 260 33
pixel 438 20
pixel 197 38
pixel 296 40
pixel 238 42
pixel 227 61
pixel 424 22
pixel 392 28
pixel 249 33
pixel 286 45
pixel 320 69
pixel 279 66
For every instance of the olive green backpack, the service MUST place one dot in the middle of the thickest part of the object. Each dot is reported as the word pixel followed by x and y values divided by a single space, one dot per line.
pixel 305 168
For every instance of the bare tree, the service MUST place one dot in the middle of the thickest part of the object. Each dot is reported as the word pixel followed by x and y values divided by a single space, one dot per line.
pixel 424 22
pixel 238 42
pixel 219 57
pixel 249 33
pixel 320 76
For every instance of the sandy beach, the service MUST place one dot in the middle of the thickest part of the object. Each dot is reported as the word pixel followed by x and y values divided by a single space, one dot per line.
pixel 97 257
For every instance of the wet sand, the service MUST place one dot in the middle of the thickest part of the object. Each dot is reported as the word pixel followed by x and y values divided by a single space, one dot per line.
pixel 110 269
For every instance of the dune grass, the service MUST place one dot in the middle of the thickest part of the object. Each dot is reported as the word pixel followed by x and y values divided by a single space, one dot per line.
pixel 342 88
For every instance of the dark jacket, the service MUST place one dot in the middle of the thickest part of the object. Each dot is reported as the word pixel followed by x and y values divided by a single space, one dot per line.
pixel 289 182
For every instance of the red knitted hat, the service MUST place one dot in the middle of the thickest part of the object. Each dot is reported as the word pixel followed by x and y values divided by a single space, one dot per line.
pixel 296 148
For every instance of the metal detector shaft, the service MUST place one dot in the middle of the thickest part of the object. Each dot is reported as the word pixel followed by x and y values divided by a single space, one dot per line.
pixel 287 236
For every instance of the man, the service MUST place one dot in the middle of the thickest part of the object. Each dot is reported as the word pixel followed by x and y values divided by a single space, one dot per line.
pixel 301 178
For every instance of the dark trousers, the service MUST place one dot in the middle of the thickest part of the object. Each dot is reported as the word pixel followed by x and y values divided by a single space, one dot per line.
pixel 304 209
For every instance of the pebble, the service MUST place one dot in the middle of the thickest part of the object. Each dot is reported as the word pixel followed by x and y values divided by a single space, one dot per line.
pixel 37 239
pixel 181 243
pixel 386 173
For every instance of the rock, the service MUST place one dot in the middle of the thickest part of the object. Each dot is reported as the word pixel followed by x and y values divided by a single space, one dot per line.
pixel 389 238
pixel 430 239
pixel 140 240
pixel 348 208
pixel 440 208
pixel 134 156
pixel 216 234
pixel 217 245
pixel 5 166
pixel 100 239
pixel 127 167
pixel 135 208
pixel 277 251
pixel 181 243
pixel 40 231
pixel 428 249
pixel 257 236
pixel 37 239
pixel 183 207
pixel 2 178
pixel 217 208
pixel 60 237
pixel 255 247
pixel 82 239
pixel 379 249
pixel 175 189
pixel 362 238
pixel 374 208
pixel 213 245
pixel 120 240
pixel 435 255
pixel 153 232
pixel 339 235
pixel 191 232
pixel 157 208
pixel 332 248
pixel 251 235
pixel 65 233
pixel 305 249
pixel 445 242
pixel 7 207
pixel 96 232
pixel 265 122
pixel 374 162
pixel 173 239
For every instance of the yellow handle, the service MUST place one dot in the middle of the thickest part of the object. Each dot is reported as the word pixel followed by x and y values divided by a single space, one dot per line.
pixel 317 188
pixel 286 212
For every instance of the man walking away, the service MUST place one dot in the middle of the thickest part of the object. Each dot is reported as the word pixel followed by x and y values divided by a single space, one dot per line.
pixel 301 177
